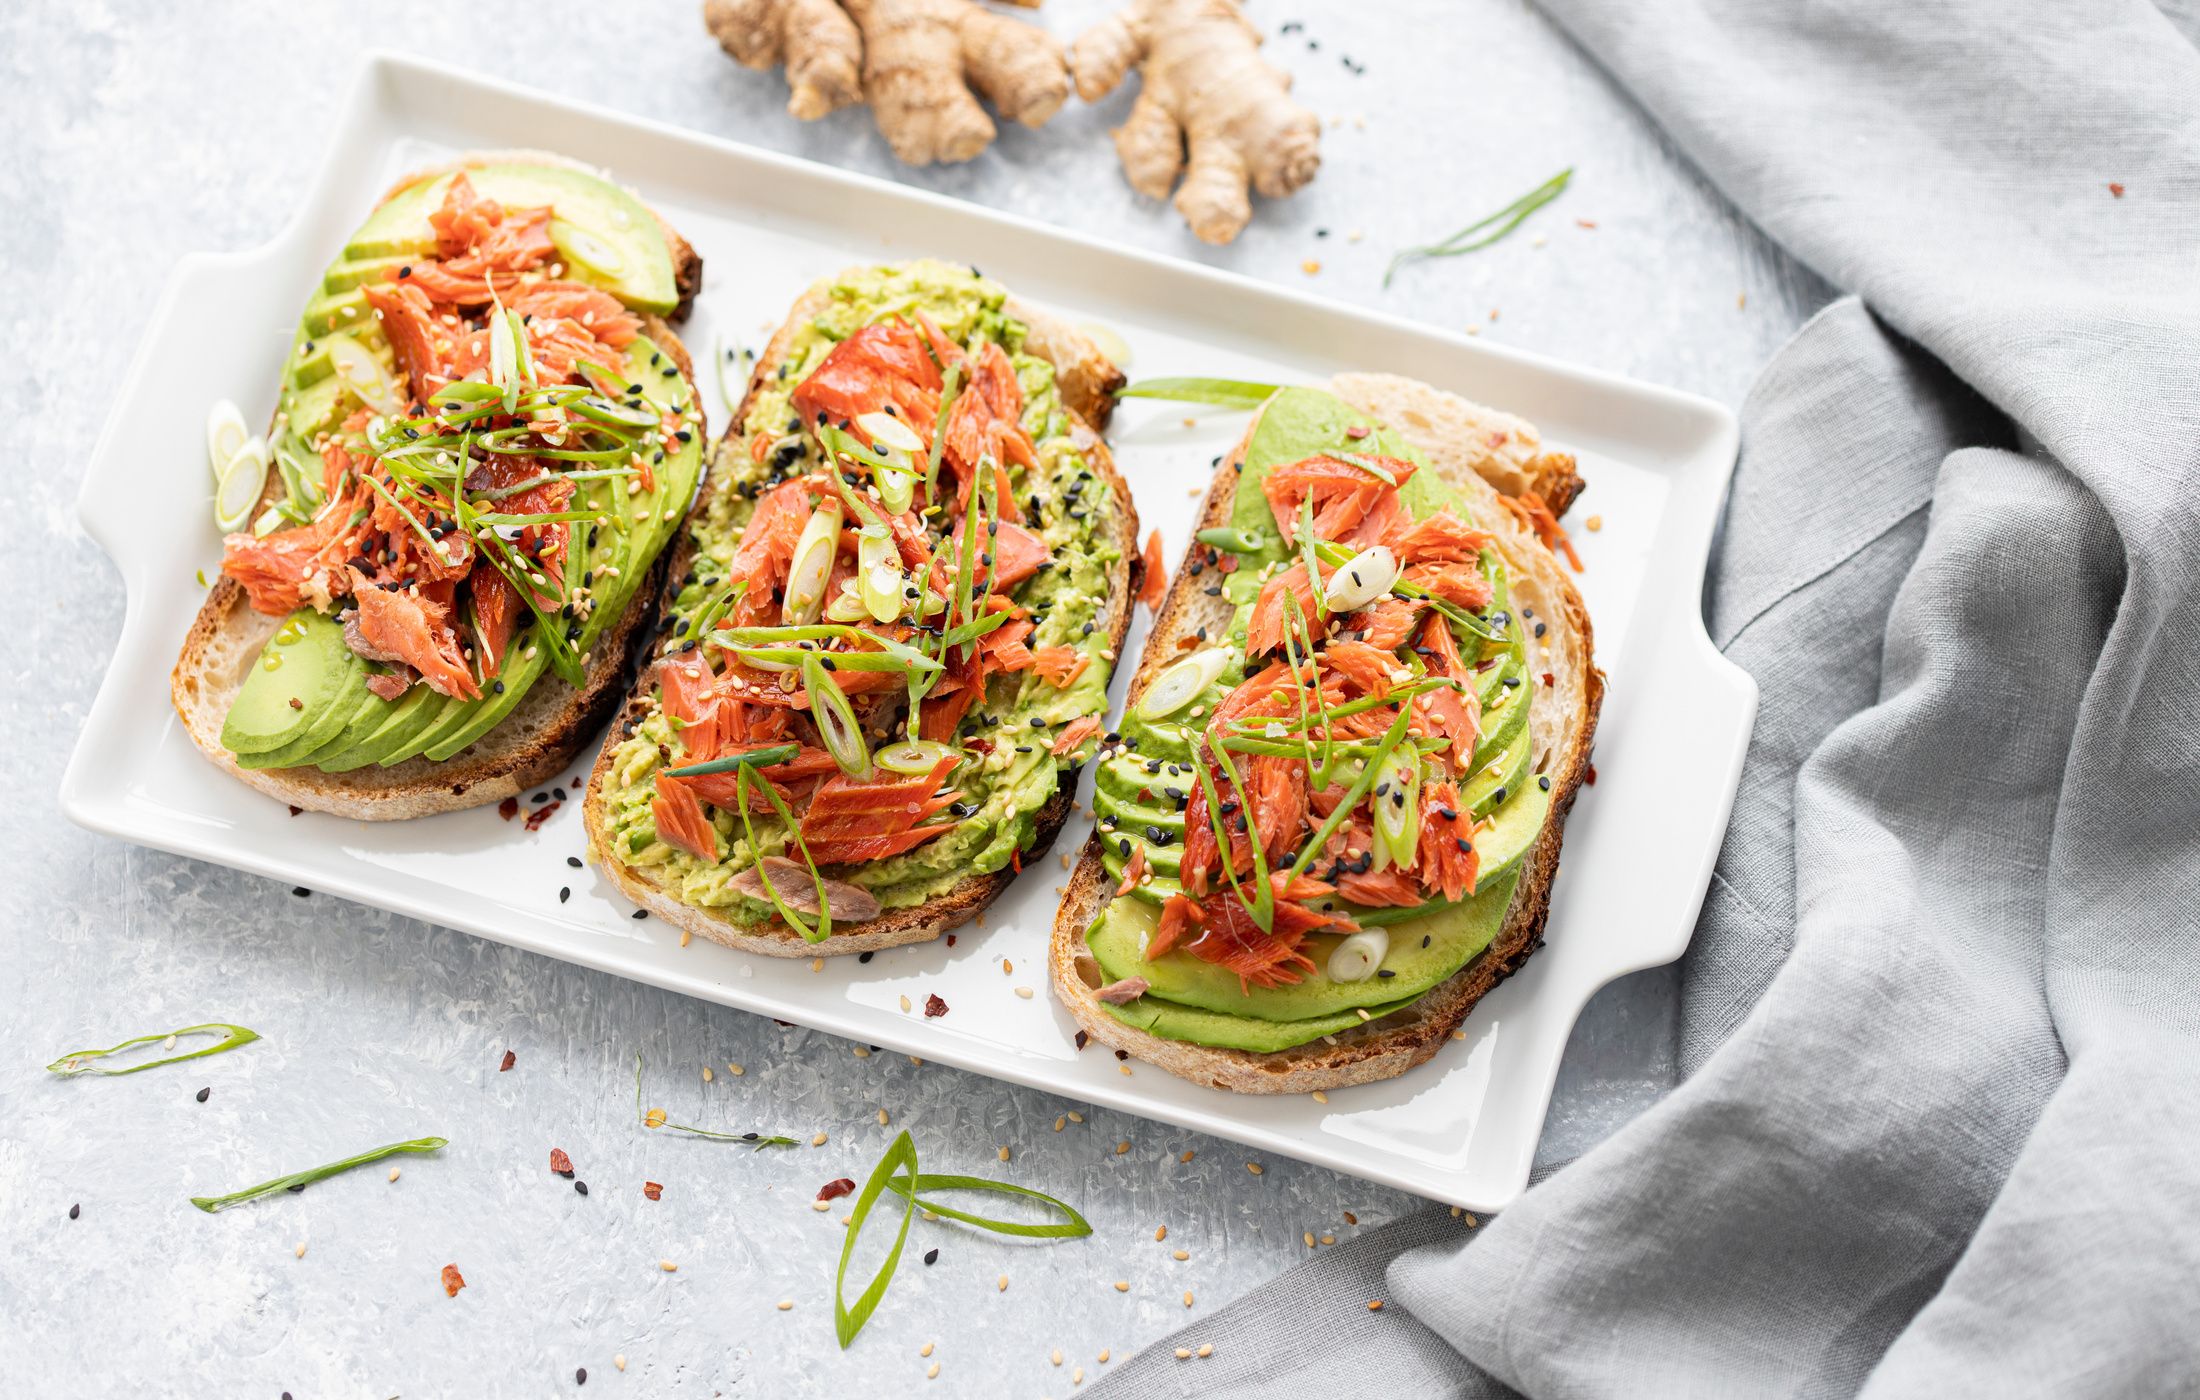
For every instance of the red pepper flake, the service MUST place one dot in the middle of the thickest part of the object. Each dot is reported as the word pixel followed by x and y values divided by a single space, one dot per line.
pixel 933 1006
pixel 1356 431
pixel 511 1058
pixel 1016 861
pixel 951 940
pixel 1081 1039
pixel 560 1163
pixel 541 814
pixel 296 810
pixel 2116 189
pixel 653 1189
pixel 508 808
pixel 453 1280
pixel 834 1190
pixel 1549 680
pixel 1227 564
pixel 1591 777
pixel 1586 223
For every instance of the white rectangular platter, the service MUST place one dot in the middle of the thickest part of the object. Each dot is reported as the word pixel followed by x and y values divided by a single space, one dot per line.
pixel 1462 1129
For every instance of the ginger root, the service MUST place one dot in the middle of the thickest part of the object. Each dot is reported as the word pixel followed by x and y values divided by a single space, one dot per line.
pixel 1205 90
pixel 921 64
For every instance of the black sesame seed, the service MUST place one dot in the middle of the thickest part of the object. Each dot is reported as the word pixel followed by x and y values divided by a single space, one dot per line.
pixel 300 891
pixel 864 956
pixel 580 1377
pixel 931 1256
pixel 565 892
pixel 574 861
pixel 641 913
pixel 581 1186
pixel 74 1211
pixel 201 1095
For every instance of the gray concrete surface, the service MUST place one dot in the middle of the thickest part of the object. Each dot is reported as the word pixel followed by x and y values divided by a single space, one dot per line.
pixel 136 132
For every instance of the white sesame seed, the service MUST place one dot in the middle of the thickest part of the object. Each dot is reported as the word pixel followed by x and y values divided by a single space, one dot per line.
pixel 786 1304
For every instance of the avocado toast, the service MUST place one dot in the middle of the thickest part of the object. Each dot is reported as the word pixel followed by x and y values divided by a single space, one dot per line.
pixel 890 626
pixel 487 436
pixel 1365 841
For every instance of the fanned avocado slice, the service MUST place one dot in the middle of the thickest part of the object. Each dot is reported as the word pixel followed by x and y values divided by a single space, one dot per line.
pixel 290 688
pixel 372 735
pixel 1227 1032
pixel 326 718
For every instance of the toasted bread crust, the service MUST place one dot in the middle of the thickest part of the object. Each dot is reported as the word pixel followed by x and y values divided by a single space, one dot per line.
pixel 1393 1044
pixel 1088 382
pixel 538 740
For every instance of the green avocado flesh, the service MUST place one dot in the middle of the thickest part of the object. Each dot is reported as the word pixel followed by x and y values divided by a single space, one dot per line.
pixel 342 726
pixel 1008 772
pixel 1141 789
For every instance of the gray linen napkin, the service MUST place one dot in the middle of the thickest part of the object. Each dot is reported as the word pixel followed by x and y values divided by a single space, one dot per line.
pixel 1941 1020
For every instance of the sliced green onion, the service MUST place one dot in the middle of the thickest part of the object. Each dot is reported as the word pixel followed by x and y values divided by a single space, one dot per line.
pixel 617 415
pixel 1231 540
pixel 879 576
pixel 1356 958
pixel 225 435
pixel 745 783
pixel 298 1181
pixel 243 480
pixel 1226 393
pixel 754 758
pixel 363 374
pixel 848 1321
pixel 1182 682
pixel 813 564
pixel 950 387
pixel 1072 1226
pixel 914 757
pixel 1309 555
pixel 1361 579
pixel 888 431
pixel 896 488
pixel 1397 799
pixel 836 721
pixel 1507 219
pixel 79 1061
pixel 1370 466
pixel 504 359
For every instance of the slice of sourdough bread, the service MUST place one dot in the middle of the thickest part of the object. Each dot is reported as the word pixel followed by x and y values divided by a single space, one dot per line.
pixel 547 729
pixel 1087 382
pixel 1485 454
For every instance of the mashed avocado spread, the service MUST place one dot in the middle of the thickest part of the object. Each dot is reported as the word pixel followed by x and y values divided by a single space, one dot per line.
pixel 1008 769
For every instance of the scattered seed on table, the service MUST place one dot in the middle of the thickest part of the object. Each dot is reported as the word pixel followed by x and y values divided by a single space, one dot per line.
pixel 619 1361
pixel 1320 1097
pixel 1004 1283
pixel 821 1206
pixel 925 1350
pixel 932 1372
pixel 709 1074
pixel 301 1250
pixel 1160 1233
pixel 1181 1255
pixel 818 1141
pixel 734 1069
pixel 786 1304
pixel 393 1173
pixel 575 863
pixel 1375 1305
pixel 565 892
pixel 668 1266
pixel 1126 1070
pixel 1187 1155
pixel 1056 1356
pixel 931 1256
pixel 817 964
pixel 882 1117
pixel 1004 1154
pixel 580 1376
pixel 1183 1353
pixel 1207 1349
pixel 1122 1147
pixel 905 1003
pixel 1253 1167
pixel 1122 1285
pixel 201 1094
pixel 1058 1124
pixel 75 1211
pixel 581 1186
pixel 1103 1356
pixel 1074 1116
pixel 1187 1297
pixel 1350 1218
pixel 862 1053
pixel 1024 992
pixel 1077 1377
